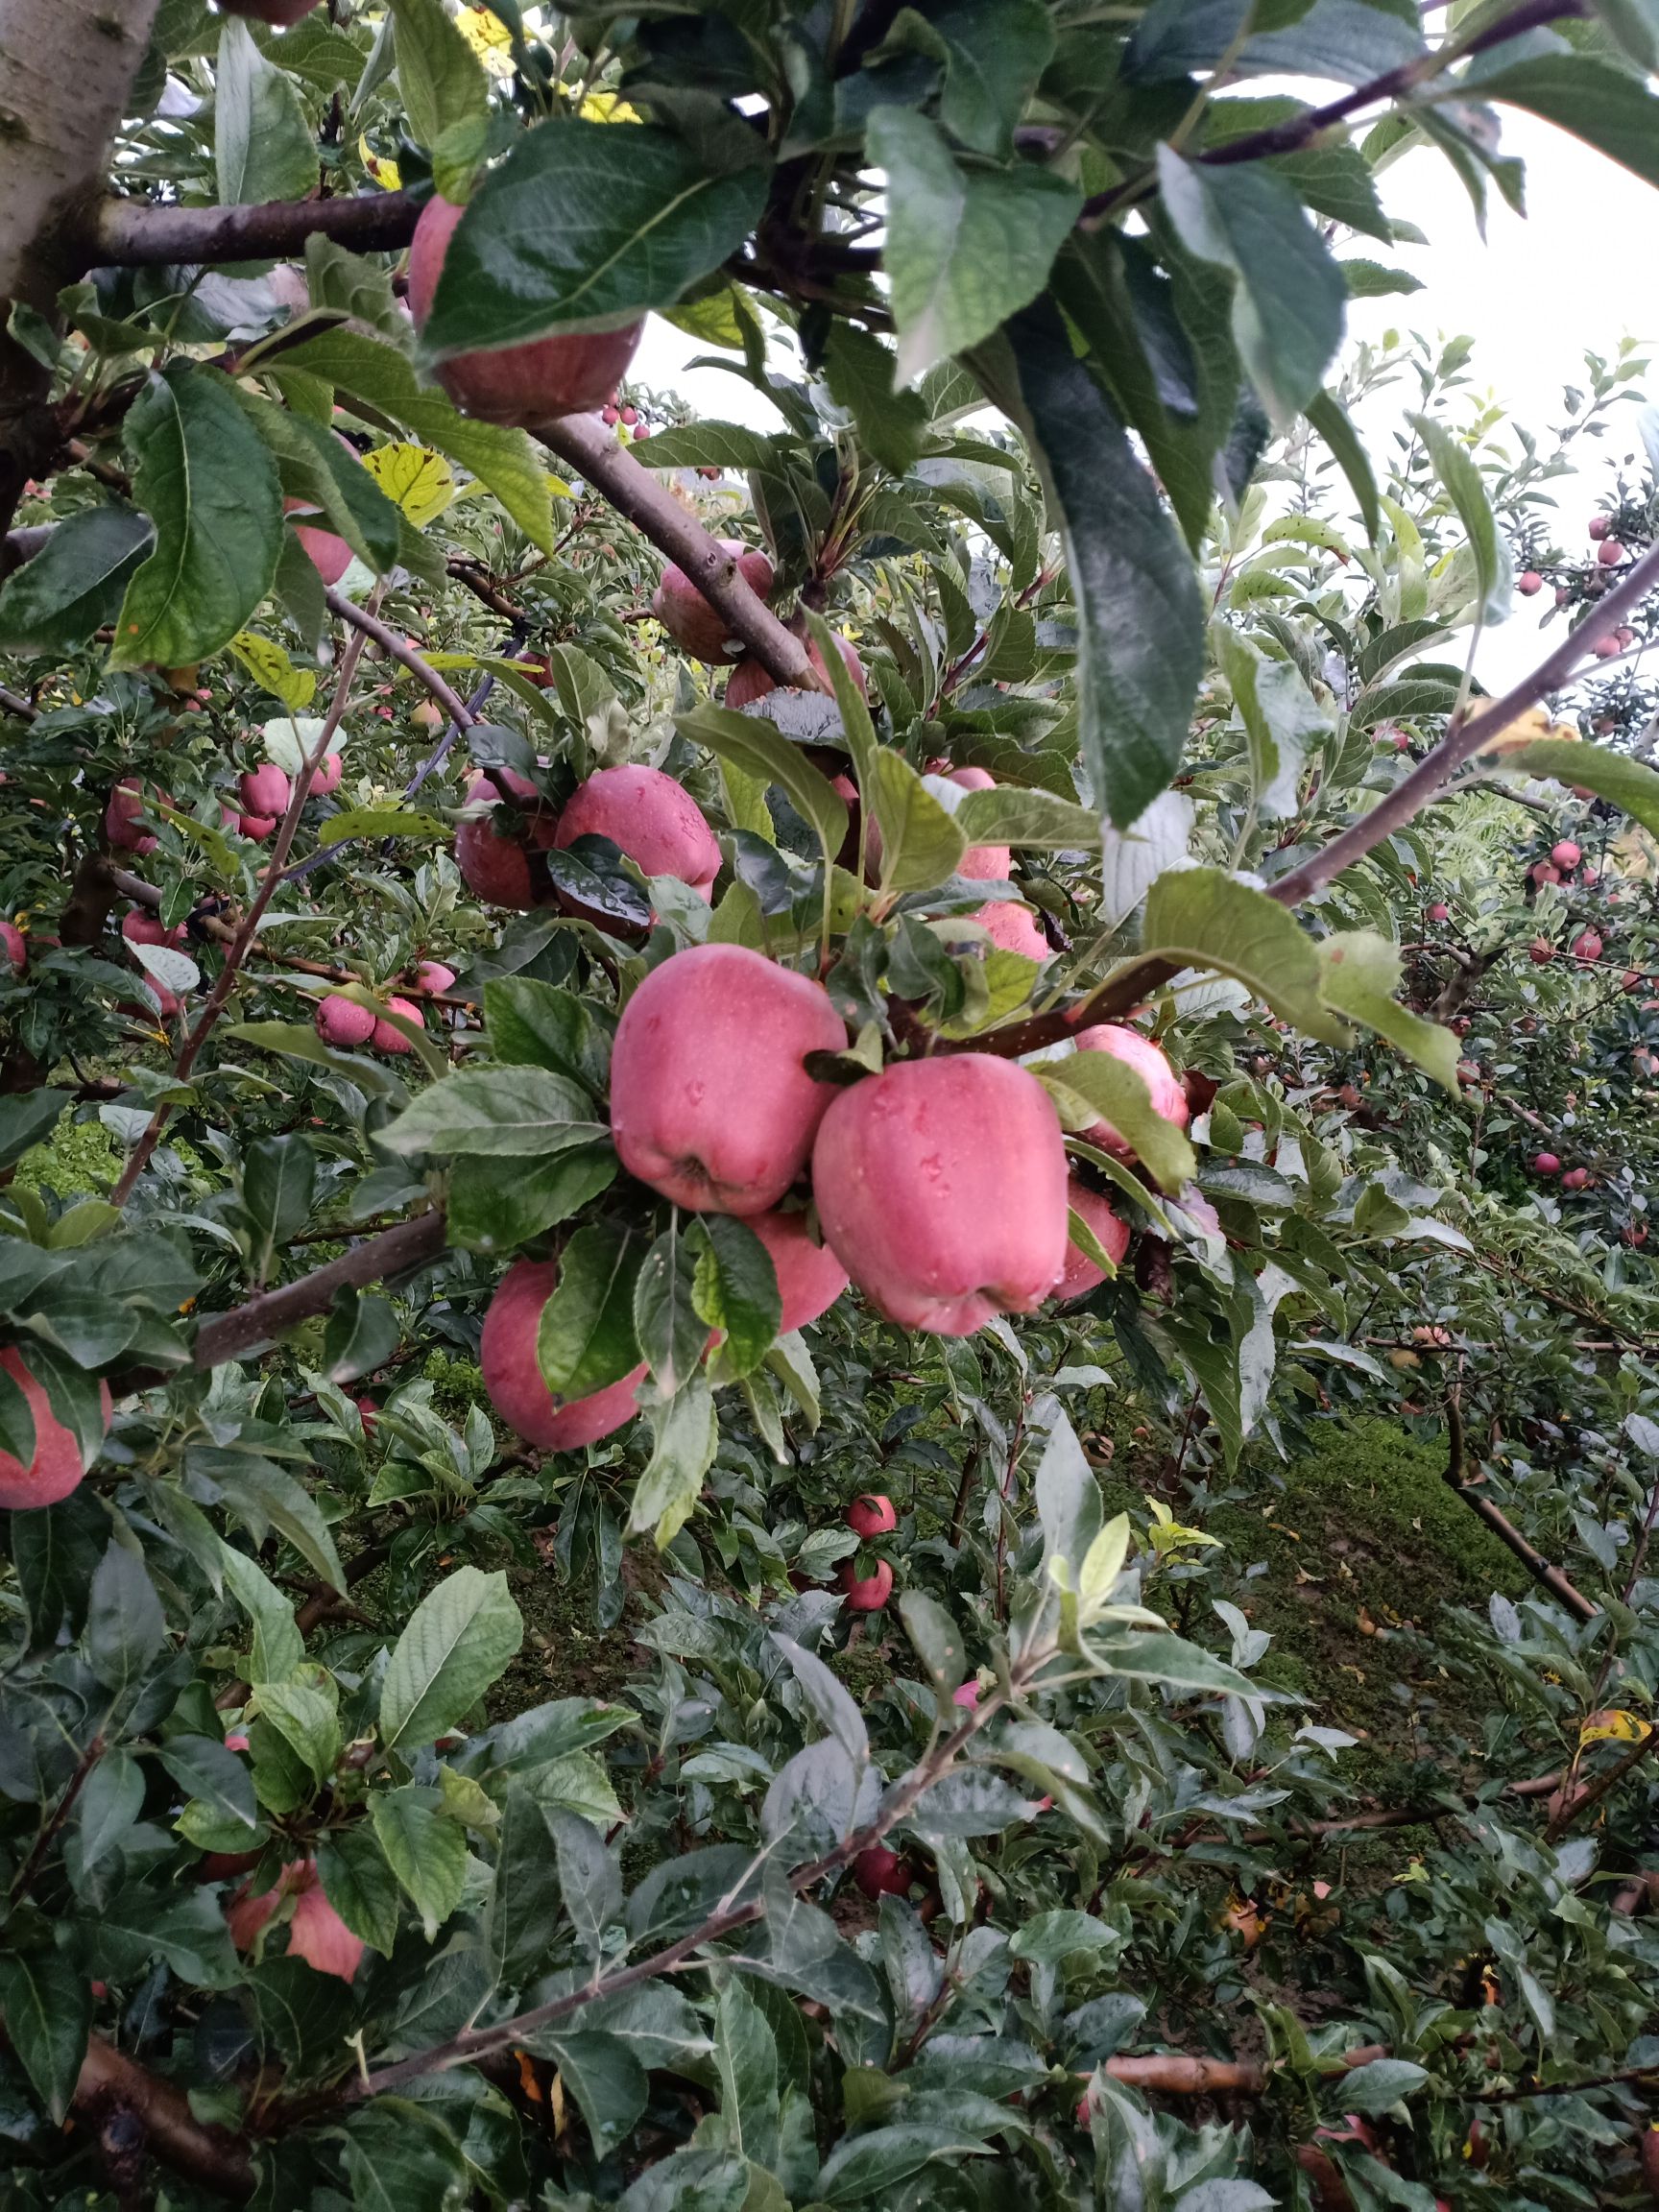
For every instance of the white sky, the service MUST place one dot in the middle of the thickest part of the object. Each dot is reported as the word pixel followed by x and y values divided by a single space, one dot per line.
pixel 1577 273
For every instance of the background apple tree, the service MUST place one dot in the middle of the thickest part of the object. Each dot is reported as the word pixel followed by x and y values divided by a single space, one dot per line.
pixel 825 1307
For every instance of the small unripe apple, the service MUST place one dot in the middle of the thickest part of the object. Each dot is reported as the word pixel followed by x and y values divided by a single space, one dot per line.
pixel 522 385
pixel 1540 952
pixel 1566 854
pixel 122 827
pixel 325 776
pixel 55 1468
pixel 432 975
pixel 1546 1163
pixel 809 1276
pixel 649 817
pixel 512 1374
pixel 748 680
pixel 386 1038
pixel 15 948
pixel 871 1515
pixel 1609 553
pixel 697 627
pixel 879 1872
pixel 710 1102
pixel 942 1185
pixel 1600 525
pixel 1439 912
pixel 1587 946
pixel 1151 1064
pixel 265 790
pixel 1575 1179
pixel 1528 582
pixel 1012 926
pixel 864 1593
pixel 342 1023
pixel 1082 1273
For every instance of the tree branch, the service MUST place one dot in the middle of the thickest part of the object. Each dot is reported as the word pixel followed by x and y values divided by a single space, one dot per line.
pixel 403 653
pixel 1548 1577
pixel 583 443
pixel 141 234
pixel 210 2156
pixel 252 1327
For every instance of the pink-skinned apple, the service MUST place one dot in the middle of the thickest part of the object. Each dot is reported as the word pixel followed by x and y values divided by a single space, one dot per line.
pixel 512 1374
pixel 696 626
pixel 386 1037
pixel 55 1467
pixel 522 385
pixel 1013 927
pixel 710 1102
pixel 748 680
pixel 881 1873
pixel 941 1186
pixel 864 1593
pixel 1111 1234
pixel 139 927
pixel 122 826
pixel 1151 1064
pixel 342 1023
pixel 434 976
pixel 648 816
pixel 983 863
pixel 325 776
pixel 265 790
pixel 15 946
pixel 872 1515
pixel 809 1276
pixel 1566 855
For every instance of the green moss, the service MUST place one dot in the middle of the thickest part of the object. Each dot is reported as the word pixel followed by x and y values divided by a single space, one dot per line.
pixel 563 1654
pixel 79 1157
pixel 457 1383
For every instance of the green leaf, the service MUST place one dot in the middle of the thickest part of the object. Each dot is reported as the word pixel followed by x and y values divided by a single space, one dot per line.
pixel 267 1496
pixel 278 1644
pixel 759 749
pixel 1463 482
pixel 125 1627
pixel 862 373
pixel 1280 716
pixel 709 446
pixel 208 483
pixel 1204 919
pixel 921 843
pixel 1605 106
pixel 746 2060
pixel 46 2000
pixel 377 374
pixel 360 1885
pixel 307 1720
pixel 964 249
pixel 1153 1655
pixel 736 1291
pixel 1633 25
pixel 1374 280
pixel 670 1332
pixel 1329 418
pixel 458 1640
pixel 521 1112
pixel 1630 784
pixel 995 52
pixel 586 226
pixel 684 1433
pixel 607 2081
pixel 263 148
pixel 1014 814
pixel 537 1026
pixel 1360 975
pixel 278 1182
pixel 27 1119
pixel 497 1204
pixel 74 585
pixel 1374 2088
pixel 201 1765
pixel 381 821
pixel 1141 616
pixel 442 80
pixel 186 1927
pixel 586 1339
pixel 318 469
pixel 363 1332
pixel 425 1852
pixel 937 1642
pixel 1289 296
pixel 874 2164
pixel 1108 1088
pixel 522 1924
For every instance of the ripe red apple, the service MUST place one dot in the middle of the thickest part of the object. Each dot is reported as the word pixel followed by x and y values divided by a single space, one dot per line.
pixel 1566 855
pixel 1633 980
pixel 809 1276
pixel 139 927
pixel 710 1103
pixel 1600 525
pixel 879 1872
pixel 1587 946
pixel 342 1023
pixel 1606 648
pixel 257 827
pixel 1575 1179
pixel 941 1186
pixel 864 1593
pixel 984 863
pixel 512 1374
pixel 1609 553
pixel 327 553
pixel 426 714
pixel 15 948
pixel 1540 952
pixel 122 827
pixel 1151 1064
pixel 432 975
pixel 871 1515
pixel 1083 1274
pixel 1544 872
pixel 54 1469
pixel 369 1413
pixel 695 626
pixel 522 385
pixel 966 1694
pixel 497 868
pixel 386 1038
pixel 1439 912
pixel 325 776
pixel 649 817
pixel 265 790
pixel 748 680
pixel 1528 582
pixel 1546 1163
pixel 1013 927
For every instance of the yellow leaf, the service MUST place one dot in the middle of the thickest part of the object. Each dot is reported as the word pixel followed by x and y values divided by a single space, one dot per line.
pixel 1523 730
pixel 1614 1725
pixel 489 37
pixel 603 107
pixel 414 478
pixel 268 664
pixel 386 174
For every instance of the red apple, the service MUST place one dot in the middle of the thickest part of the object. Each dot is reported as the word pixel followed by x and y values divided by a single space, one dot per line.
pixel 1439 913
pixel 983 863
pixel 386 1037
pixel 879 1872
pixel 257 827
pixel 1546 1163
pixel 369 1413
pixel 748 680
pixel 122 827
pixel 966 1694
pixel 512 1374
pixel 327 553
pixel 1540 952
pixel 695 626
pixel 1609 553
pixel 1083 1274
pixel 650 818
pixel 1528 582
pixel 54 1469
pixel 325 776
pixel 15 948
pixel 139 927
pixel 265 790
pixel 1600 525
pixel 1566 855
pixel 432 975
pixel 809 1276
pixel 864 1593
pixel 523 385
pixel 871 1515
pixel 710 1103
pixel 1011 926
pixel 342 1023
pixel 1606 648
pixel 941 1185
pixel 1151 1064
pixel 1587 946
pixel 1544 872
pixel 1575 1179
